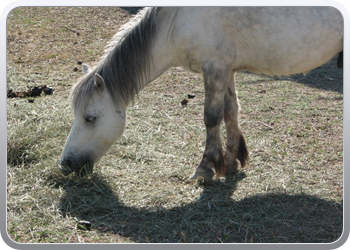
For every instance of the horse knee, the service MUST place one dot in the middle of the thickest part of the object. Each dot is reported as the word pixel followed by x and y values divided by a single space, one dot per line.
pixel 213 117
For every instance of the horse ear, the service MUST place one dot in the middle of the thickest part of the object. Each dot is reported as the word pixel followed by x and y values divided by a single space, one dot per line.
pixel 99 82
pixel 86 69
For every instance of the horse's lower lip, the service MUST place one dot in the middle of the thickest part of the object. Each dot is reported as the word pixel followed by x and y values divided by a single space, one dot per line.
pixel 85 169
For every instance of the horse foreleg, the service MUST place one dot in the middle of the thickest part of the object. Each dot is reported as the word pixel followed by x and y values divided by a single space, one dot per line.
pixel 213 115
pixel 236 148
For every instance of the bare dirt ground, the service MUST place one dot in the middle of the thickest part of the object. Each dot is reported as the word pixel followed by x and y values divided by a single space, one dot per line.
pixel 291 190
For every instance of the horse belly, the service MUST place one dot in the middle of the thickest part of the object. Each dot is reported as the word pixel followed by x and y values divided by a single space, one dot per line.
pixel 297 59
pixel 285 62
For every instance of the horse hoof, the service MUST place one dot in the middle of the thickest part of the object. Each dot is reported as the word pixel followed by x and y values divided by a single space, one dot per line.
pixel 203 173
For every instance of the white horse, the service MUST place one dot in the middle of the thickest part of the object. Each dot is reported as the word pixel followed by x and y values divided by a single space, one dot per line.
pixel 216 42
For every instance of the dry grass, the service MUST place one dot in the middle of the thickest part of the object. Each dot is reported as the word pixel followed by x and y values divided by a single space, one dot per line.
pixel 291 191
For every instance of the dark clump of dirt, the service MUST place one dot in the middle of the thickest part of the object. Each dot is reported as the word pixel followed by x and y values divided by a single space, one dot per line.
pixel 34 92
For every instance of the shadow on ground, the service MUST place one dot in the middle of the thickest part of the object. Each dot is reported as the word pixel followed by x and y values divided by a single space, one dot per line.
pixel 213 217
pixel 132 10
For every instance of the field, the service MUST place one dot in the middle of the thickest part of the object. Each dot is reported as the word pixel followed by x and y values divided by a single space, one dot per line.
pixel 291 190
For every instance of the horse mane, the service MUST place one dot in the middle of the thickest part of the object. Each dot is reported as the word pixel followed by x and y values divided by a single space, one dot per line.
pixel 126 62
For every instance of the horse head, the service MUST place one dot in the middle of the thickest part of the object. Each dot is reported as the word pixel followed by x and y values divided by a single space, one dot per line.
pixel 98 123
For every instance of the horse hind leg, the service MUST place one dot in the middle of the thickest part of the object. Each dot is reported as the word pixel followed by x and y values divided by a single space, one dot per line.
pixel 213 158
pixel 236 147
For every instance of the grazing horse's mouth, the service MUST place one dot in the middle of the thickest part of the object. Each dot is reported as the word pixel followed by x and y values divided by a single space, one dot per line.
pixel 86 168
pixel 65 169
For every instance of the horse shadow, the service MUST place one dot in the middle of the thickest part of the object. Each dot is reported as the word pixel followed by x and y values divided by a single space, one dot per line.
pixel 214 217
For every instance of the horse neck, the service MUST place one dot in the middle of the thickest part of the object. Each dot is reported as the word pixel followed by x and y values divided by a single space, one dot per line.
pixel 162 50
pixel 163 53
pixel 128 70
pixel 162 60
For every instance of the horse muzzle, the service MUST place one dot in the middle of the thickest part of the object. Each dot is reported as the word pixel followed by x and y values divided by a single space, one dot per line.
pixel 81 167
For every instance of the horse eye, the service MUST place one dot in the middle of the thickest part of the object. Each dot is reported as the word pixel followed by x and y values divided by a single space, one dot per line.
pixel 90 119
